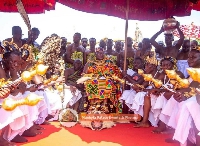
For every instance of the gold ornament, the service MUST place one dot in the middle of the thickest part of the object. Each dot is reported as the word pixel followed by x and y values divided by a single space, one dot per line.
pixel 152 59
pixel 45 82
pixel 41 69
pixel 53 78
pixel 194 73
pixel 118 79
pixel 10 104
pixel 33 73
pixel 184 83
pixel 177 81
pixel 171 74
pixel 157 83
pixel 140 72
pixel 3 82
pixel 26 76
pixel 147 77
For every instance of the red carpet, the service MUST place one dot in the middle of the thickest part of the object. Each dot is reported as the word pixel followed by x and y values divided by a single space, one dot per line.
pixel 122 134
pixel 49 129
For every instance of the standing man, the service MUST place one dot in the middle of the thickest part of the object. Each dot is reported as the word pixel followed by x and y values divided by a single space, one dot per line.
pixel 16 41
pixel 182 57
pixel 90 54
pixel 169 50
pixel 118 46
pixel 84 42
pixel 74 51
pixel 63 46
pixel 130 53
pixel 32 37
pixel 145 50
pixel 114 56
pixel 102 44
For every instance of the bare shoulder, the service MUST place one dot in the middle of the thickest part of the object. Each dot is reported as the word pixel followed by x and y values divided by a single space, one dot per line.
pixel 81 48
pixel 69 47
pixel 171 49
pixel 179 54
pixel 115 53
pixel 5 42
pixel 122 52
pixel 137 53
pixel 8 39
pixel 87 52
pixel 133 51
pixel 69 70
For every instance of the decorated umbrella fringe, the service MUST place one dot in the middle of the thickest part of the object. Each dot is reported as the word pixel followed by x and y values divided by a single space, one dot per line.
pixel 190 31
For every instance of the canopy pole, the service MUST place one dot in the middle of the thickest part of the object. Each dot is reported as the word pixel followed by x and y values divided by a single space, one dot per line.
pixel 23 14
pixel 126 31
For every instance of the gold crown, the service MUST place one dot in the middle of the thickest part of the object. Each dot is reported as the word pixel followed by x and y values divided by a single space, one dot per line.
pixel 152 59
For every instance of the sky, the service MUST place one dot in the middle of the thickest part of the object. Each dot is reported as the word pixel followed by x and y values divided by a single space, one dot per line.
pixel 65 21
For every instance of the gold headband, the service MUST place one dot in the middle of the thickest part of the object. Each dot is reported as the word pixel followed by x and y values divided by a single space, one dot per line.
pixel 171 59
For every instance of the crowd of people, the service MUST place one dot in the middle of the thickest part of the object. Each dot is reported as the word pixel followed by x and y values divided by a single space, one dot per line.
pixel 164 108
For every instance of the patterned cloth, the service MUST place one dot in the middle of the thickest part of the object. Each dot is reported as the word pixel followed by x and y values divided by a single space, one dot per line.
pixel 75 76
pixel 130 59
pixel 104 87
pixel 182 65
pixel 75 55
pixel 112 58
pixel 91 57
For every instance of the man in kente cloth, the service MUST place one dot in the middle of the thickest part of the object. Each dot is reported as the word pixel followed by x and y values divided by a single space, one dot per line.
pixel 110 53
pixel 16 42
pixel 130 53
pixel 90 53
pixel 74 51
pixel 73 90
pixel 102 90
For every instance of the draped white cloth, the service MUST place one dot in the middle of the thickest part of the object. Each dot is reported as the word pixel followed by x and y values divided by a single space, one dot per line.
pixel 157 103
pixel 55 103
pixel 71 98
pixel 23 122
pixel 169 112
pixel 128 95
pixel 187 117
pixel 182 65
pixel 43 107
pixel 8 117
